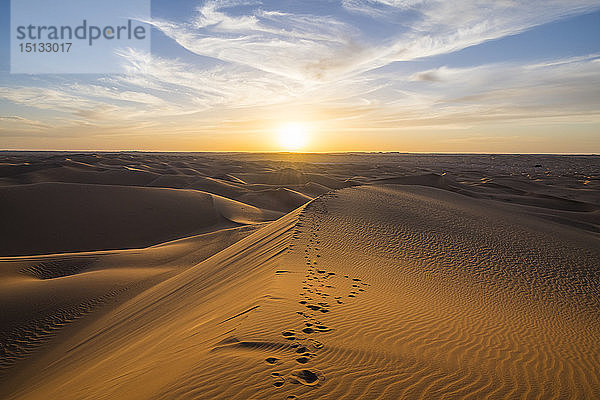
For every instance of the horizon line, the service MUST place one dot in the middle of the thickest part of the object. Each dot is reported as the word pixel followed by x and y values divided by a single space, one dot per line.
pixel 290 152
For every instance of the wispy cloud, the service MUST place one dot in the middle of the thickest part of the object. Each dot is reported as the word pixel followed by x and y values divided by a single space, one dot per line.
pixel 442 96
pixel 303 47
pixel 228 85
pixel 20 121
pixel 439 26
pixel 316 48
pixel 556 89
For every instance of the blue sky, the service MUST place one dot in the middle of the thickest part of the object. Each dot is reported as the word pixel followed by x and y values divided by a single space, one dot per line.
pixel 405 75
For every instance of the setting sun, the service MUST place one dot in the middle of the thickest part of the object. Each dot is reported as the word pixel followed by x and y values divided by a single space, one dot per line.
pixel 292 136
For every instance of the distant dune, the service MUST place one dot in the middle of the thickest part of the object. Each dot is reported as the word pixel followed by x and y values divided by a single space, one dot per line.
pixel 277 199
pixel 61 217
pixel 407 277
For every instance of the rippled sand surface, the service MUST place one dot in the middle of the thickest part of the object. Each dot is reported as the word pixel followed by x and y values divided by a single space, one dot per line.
pixel 308 276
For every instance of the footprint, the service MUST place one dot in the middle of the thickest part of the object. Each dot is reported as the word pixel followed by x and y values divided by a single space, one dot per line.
pixel 323 328
pixel 302 360
pixel 279 382
pixel 307 377
pixel 272 360
pixel 301 350
pixel 289 335
pixel 308 330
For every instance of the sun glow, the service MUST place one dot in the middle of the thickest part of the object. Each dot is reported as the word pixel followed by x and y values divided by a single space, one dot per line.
pixel 292 136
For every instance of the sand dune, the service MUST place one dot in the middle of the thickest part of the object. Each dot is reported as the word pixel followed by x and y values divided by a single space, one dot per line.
pixel 290 176
pixel 46 296
pixel 465 283
pixel 241 213
pixel 58 217
pixel 282 199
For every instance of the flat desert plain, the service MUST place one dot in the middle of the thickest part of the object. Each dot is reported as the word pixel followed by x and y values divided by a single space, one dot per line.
pixel 299 276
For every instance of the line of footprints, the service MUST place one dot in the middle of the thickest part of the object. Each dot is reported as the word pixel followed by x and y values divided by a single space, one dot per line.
pixel 317 297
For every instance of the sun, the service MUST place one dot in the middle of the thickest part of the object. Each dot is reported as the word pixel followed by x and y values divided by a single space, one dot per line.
pixel 292 136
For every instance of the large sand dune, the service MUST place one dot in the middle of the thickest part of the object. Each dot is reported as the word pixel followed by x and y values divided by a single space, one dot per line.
pixel 412 283
pixel 59 217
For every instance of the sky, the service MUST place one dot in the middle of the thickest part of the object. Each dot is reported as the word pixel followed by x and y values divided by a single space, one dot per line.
pixel 482 76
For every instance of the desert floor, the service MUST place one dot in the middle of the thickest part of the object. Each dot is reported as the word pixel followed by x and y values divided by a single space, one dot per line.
pixel 299 276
